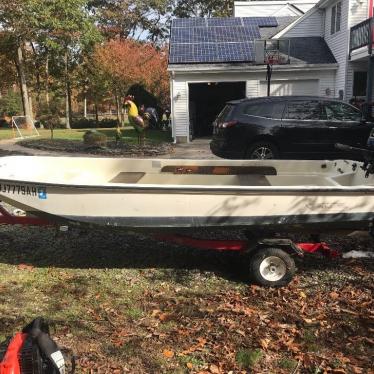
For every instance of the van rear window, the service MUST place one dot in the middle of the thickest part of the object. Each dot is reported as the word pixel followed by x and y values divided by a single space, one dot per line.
pixel 225 113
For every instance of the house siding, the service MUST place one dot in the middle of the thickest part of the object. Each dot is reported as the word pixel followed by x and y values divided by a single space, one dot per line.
pixel 180 108
pixel 268 8
pixel 358 12
pixel 339 44
pixel 309 26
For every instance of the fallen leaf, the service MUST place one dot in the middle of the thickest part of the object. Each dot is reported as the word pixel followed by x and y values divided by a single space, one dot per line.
pixel 357 370
pixel 264 343
pixel 214 369
pixel 25 267
pixel 334 295
pixel 189 365
pixel 240 332
pixel 168 353
pixel 308 321
pixel 302 294
pixel 155 312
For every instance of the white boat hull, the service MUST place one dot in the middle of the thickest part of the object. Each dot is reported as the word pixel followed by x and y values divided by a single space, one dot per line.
pixel 82 190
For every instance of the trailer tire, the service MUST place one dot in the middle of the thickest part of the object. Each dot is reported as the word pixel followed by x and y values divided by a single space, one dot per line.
pixel 272 267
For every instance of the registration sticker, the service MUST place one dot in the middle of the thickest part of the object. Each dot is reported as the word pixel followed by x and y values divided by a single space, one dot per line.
pixel 19 189
pixel 42 193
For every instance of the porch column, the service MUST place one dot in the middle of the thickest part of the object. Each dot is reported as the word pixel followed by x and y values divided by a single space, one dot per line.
pixel 369 85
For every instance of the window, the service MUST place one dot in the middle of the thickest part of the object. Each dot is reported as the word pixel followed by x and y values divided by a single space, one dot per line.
pixel 303 110
pixel 267 110
pixel 226 111
pixel 341 112
pixel 359 83
pixel 336 17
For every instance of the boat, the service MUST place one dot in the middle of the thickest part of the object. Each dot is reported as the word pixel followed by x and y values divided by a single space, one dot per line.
pixel 186 194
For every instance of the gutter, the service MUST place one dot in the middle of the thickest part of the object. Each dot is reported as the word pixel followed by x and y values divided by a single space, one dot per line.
pixel 191 69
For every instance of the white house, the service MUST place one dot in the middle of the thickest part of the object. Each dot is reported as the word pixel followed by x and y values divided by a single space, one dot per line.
pixel 343 25
pixel 214 60
pixel 276 8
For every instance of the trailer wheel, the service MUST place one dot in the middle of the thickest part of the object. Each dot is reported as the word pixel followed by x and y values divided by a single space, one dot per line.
pixel 272 267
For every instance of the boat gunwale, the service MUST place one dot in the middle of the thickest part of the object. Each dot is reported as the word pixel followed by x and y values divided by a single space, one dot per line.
pixel 194 188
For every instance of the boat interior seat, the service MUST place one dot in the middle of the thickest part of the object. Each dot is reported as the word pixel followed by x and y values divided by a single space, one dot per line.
pixel 127 177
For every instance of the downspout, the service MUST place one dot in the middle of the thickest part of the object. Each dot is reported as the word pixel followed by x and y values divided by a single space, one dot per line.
pixel 172 107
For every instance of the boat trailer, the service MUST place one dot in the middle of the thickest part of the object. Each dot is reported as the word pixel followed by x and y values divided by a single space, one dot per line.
pixel 271 260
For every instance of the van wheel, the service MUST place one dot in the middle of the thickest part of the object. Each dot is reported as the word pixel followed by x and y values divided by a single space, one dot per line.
pixel 272 267
pixel 262 151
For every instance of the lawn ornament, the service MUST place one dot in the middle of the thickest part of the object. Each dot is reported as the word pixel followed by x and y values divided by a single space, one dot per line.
pixel 136 121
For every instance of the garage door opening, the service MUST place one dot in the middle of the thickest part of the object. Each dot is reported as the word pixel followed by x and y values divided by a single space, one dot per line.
pixel 206 100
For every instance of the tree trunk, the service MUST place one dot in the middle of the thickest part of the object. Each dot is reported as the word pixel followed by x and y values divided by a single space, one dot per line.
pixel 68 114
pixel 23 82
pixel 118 104
pixel 47 81
pixel 37 75
pixel 96 113
pixel 85 106
pixel 31 109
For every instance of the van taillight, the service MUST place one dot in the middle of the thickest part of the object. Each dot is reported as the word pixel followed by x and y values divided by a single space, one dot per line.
pixel 226 125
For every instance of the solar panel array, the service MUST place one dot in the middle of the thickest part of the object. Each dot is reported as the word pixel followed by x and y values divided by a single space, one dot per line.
pixel 204 40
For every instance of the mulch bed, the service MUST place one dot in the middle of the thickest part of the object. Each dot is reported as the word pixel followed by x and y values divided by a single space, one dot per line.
pixel 150 149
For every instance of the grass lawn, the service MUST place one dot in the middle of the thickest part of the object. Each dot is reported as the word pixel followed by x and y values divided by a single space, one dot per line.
pixel 128 304
pixel 129 134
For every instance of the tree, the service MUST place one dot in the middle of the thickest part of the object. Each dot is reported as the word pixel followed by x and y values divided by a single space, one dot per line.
pixel 203 8
pixel 58 28
pixel 128 62
pixel 67 29
pixel 132 19
pixel 16 21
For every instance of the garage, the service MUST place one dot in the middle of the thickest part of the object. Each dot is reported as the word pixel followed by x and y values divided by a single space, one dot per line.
pixel 212 61
pixel 206 100
pixel 309 87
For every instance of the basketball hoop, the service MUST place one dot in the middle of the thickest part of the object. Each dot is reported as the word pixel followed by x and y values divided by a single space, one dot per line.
pixel 272 59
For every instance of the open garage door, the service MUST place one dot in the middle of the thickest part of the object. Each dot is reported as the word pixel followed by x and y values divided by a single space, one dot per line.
pixel 206 100
pixel 297 87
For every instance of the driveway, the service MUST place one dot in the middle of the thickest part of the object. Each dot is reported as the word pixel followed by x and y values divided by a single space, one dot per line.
pixel 197 149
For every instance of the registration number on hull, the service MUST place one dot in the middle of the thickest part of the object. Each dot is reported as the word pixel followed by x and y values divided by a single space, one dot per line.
pixel 19 189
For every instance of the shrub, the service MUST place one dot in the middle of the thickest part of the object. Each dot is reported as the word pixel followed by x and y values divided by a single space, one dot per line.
pixel 94 138
pixel 107 123
pixel 85 123
pixel 50 121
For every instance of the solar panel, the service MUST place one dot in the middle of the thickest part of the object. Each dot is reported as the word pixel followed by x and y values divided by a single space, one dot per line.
pixel 189 22
pixel 200 40
pixel 260 21
pixel 233 21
